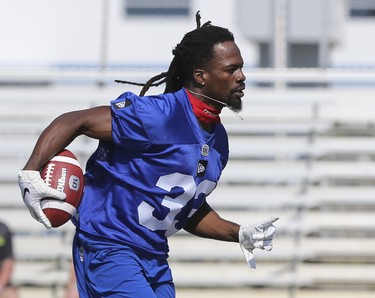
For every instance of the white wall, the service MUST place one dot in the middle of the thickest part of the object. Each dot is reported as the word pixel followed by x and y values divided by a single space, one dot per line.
pixel 50 32
pixel 357 48
pixel 44 32
pixel 57 32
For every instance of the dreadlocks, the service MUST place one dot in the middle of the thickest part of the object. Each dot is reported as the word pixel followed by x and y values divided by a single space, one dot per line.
pixel 195 50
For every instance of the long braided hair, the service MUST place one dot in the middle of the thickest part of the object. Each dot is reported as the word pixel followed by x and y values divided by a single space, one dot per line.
pixel 194 51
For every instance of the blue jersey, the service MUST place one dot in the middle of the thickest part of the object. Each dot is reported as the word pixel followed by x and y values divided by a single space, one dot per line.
pixel 144 185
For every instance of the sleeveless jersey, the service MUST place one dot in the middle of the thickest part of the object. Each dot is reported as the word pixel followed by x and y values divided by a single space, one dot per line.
pixel 144 185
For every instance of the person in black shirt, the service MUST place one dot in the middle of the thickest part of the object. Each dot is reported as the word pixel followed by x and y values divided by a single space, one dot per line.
pixel 6 263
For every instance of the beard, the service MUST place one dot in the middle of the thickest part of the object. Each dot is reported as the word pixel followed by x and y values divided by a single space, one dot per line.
pixel 235 105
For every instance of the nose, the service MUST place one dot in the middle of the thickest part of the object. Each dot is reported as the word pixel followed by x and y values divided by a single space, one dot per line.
pixel 241 76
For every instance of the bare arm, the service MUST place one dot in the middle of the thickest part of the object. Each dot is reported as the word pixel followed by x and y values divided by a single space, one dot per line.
pixel 6 271
pixel 208 224
pixel 94 122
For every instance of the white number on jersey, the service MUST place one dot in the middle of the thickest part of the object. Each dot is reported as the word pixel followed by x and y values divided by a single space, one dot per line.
pixel 175 205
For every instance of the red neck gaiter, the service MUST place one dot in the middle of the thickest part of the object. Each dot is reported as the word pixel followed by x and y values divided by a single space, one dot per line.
pixel 202 111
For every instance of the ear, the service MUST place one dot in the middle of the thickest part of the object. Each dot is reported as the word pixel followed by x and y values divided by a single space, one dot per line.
pixel 199 76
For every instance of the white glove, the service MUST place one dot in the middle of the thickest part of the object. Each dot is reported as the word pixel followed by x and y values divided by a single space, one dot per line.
pixel 33 190
pixel 256 235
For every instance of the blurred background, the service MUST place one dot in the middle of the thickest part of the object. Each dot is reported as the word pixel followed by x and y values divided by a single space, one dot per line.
pixel 304 151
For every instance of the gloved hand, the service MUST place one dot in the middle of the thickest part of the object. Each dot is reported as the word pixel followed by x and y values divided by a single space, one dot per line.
pixel 256 235
pixel 33 189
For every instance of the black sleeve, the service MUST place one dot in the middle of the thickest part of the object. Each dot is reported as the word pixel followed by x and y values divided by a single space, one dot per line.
pixel 6 246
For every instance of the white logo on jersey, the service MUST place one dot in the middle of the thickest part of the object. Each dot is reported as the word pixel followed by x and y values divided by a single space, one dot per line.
pixel 121 104
pixel 201 168
pixel 205 149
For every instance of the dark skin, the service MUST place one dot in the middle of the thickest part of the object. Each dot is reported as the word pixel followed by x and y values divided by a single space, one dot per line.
pixel 222 78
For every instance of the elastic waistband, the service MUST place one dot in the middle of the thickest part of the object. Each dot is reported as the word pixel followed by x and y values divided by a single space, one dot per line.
pixel 94 242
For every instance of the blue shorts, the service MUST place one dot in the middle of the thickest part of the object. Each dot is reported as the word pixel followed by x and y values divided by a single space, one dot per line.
pixel 104 270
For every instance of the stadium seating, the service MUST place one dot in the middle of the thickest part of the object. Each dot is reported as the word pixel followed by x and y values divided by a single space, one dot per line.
pixel 306 157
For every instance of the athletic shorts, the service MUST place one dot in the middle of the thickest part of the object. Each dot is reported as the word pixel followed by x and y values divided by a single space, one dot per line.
pixel 104 270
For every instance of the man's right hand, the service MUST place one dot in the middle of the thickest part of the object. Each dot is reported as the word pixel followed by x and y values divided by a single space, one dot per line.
pixel 33 190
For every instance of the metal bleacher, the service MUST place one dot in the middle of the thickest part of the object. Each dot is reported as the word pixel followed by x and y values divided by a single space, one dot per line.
pixel 304 156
